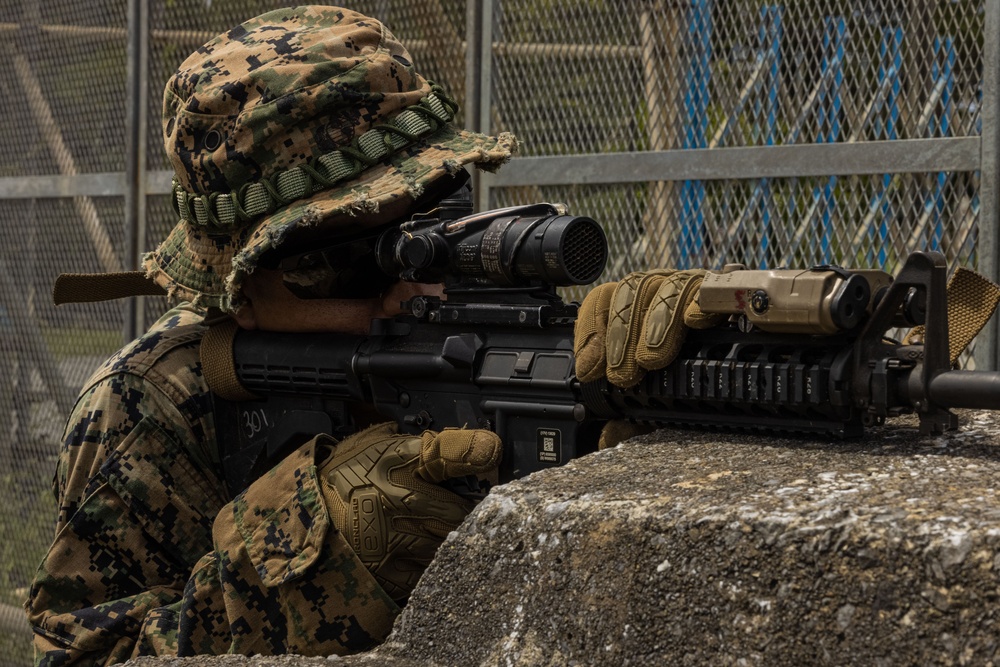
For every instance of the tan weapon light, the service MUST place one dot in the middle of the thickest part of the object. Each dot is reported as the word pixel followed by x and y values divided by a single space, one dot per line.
pixel 823 300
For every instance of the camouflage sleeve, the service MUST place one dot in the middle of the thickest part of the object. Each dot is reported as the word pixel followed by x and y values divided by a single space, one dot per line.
pixel 282 578
pixel 136 494
pixel 149 559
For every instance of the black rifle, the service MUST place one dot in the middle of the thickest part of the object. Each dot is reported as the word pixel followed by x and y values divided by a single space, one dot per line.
pixel 498 353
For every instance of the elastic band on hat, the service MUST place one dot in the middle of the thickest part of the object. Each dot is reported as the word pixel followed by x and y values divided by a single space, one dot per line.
pixel 225 210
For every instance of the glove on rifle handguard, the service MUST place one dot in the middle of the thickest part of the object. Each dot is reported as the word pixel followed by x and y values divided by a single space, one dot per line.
pixel 624 329
pixel 382 493
pixel 637 324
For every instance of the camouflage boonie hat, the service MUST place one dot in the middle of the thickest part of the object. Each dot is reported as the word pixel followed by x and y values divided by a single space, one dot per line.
pixel 310 119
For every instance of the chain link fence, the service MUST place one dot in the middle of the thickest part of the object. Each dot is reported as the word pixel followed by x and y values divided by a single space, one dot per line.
pixel 698 132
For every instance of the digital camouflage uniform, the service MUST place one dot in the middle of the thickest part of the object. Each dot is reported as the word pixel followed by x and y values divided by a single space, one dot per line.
pixel 133 569
pixel 302 123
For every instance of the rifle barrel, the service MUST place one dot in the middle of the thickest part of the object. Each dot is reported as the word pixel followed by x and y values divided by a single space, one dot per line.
pixel 966 389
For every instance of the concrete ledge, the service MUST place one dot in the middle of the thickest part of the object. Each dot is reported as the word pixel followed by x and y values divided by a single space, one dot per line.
pixel 692 548
pixel 686 547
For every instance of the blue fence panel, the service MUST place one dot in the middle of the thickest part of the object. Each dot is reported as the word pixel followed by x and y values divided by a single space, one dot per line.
pixel 943 70
pixel 696 98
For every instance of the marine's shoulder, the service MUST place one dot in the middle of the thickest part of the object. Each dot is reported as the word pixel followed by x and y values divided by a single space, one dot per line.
pixel 168 348
pixel 155 381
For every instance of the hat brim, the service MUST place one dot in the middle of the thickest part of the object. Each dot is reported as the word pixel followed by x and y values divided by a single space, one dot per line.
pixel 208 269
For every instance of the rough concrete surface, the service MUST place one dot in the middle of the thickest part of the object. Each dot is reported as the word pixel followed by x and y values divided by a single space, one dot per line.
pixel 687 547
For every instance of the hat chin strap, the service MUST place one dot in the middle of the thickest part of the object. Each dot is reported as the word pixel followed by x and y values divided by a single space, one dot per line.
pixel 91 287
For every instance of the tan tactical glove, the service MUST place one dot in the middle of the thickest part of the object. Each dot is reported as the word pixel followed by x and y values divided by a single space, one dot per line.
pixel 624 329
pixel 381 489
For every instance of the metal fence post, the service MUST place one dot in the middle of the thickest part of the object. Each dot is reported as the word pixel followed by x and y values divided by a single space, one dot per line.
pixel 478 70
pixel 988 263
pixel 135 161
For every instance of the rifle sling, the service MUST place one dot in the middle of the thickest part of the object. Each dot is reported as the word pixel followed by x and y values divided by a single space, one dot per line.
pixel 218 364
pixel 243 459
pixel 972 298
pixel 91 287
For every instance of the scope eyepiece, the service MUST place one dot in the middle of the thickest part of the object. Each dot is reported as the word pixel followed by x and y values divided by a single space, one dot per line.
pixel 512 247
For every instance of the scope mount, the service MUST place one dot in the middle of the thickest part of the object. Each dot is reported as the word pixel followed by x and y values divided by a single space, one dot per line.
pixel 494 306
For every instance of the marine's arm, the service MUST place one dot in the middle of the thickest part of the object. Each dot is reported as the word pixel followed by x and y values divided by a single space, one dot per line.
pixel 136 492
pixel 136 497
pixel 149 558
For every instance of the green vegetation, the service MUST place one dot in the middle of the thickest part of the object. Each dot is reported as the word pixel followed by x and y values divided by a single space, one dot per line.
pixel 29 511
pixel 28 505
pixel 67 342
pixel 16 651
